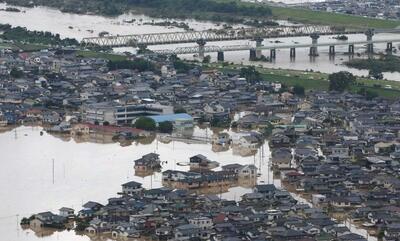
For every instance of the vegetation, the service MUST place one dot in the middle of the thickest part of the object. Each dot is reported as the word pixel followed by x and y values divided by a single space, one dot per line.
pixel 81 225
pixel 369 94
pixel 327 18
pixel 200 9
pixel 388 63
pixel 299 90
pixel 23 35
pixel 341 81
pixel 96 54
pixel 179 109
pixel 145 123
pixel 312 81
pixel 375 73
pixel 215 10
pixel 251 74
pixel 207 59
pixel 165 127
pixel 137 64
pixel 16 73
pixel 267 131
pixel 181 66
pixel 220 123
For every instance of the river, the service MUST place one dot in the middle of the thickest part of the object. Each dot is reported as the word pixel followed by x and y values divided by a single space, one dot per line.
pixel 80 26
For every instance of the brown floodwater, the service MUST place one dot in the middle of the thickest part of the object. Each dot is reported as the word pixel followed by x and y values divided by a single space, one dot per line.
pixel 91 169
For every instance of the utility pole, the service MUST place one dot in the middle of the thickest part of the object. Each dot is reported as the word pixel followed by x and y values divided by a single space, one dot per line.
pixel 53 169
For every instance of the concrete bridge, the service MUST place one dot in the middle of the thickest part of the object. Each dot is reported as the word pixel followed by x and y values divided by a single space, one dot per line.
pixel 313 46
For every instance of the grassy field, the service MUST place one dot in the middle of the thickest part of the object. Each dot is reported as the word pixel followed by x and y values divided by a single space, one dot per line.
pixel 23 47
pixel 318 17
pixel 319 81
pixel 94 54
pixel 326 18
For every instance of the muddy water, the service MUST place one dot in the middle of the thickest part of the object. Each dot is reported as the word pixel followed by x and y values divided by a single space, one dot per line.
pixel 88 171
pixel 94 170
pixel 80 26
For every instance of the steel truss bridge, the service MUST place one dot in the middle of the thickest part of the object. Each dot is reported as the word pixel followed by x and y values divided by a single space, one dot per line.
pixel 212 48
pixel 211 36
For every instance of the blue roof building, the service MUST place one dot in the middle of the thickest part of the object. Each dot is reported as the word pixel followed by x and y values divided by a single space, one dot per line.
pixel 181 120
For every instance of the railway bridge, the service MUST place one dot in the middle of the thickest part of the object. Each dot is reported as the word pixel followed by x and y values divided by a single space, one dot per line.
pixel 201 38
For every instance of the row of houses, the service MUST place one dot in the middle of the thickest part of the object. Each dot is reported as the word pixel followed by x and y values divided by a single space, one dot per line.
pixel 345 158
pixel 266 213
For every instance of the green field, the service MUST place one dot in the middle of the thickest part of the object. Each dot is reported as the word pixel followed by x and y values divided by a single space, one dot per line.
pixel 22 46
pixel 325 18
pixel 318 17
pixel 319 81
pixel 94 54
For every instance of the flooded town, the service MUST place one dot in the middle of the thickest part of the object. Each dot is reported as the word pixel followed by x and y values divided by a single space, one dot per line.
pixel 122 142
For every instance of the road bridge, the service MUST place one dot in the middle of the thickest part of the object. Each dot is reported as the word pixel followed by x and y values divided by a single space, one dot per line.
pixel 221 49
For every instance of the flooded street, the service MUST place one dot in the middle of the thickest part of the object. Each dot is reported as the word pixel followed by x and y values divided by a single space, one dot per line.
pixel 87 171
pixel 93 171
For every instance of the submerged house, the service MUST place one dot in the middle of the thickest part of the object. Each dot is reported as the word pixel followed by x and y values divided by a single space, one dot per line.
pixel 148 162
pixel 131 188
pixel 47 219
pixel 201 162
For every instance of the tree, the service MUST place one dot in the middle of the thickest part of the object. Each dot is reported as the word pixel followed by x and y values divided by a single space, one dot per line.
pixel 375 73
pixel 251 74
pixel 178 110
pixel 341 81
pixel 207 59
pixel 368 94
pixel 16 73
pixel 137 64
pixel 145 123
pixel 299 90
pixel 165 127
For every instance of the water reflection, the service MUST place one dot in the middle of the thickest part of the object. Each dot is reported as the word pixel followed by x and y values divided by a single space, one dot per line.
pixel 93 167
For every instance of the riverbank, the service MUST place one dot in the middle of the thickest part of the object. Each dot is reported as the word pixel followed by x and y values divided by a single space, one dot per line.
pixel 19 37
pixel 210 10
pixel 231 11
pixel 386 63
pixel 312 81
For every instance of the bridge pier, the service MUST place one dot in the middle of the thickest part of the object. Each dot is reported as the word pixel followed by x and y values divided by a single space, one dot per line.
pixel 351 49
pixel 259 41
pixel 332 51
pixel 313 51
pixel 389 47
pixel 272 55
pixel 370 45
pixel 314 47
pixel 220 56
pixel 292 53
pixel 253 55
pixel 201 43
pixel 142 48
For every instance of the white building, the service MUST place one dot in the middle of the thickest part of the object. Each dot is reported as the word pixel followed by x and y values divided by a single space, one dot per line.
pixel 202 222
pixel 114 113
